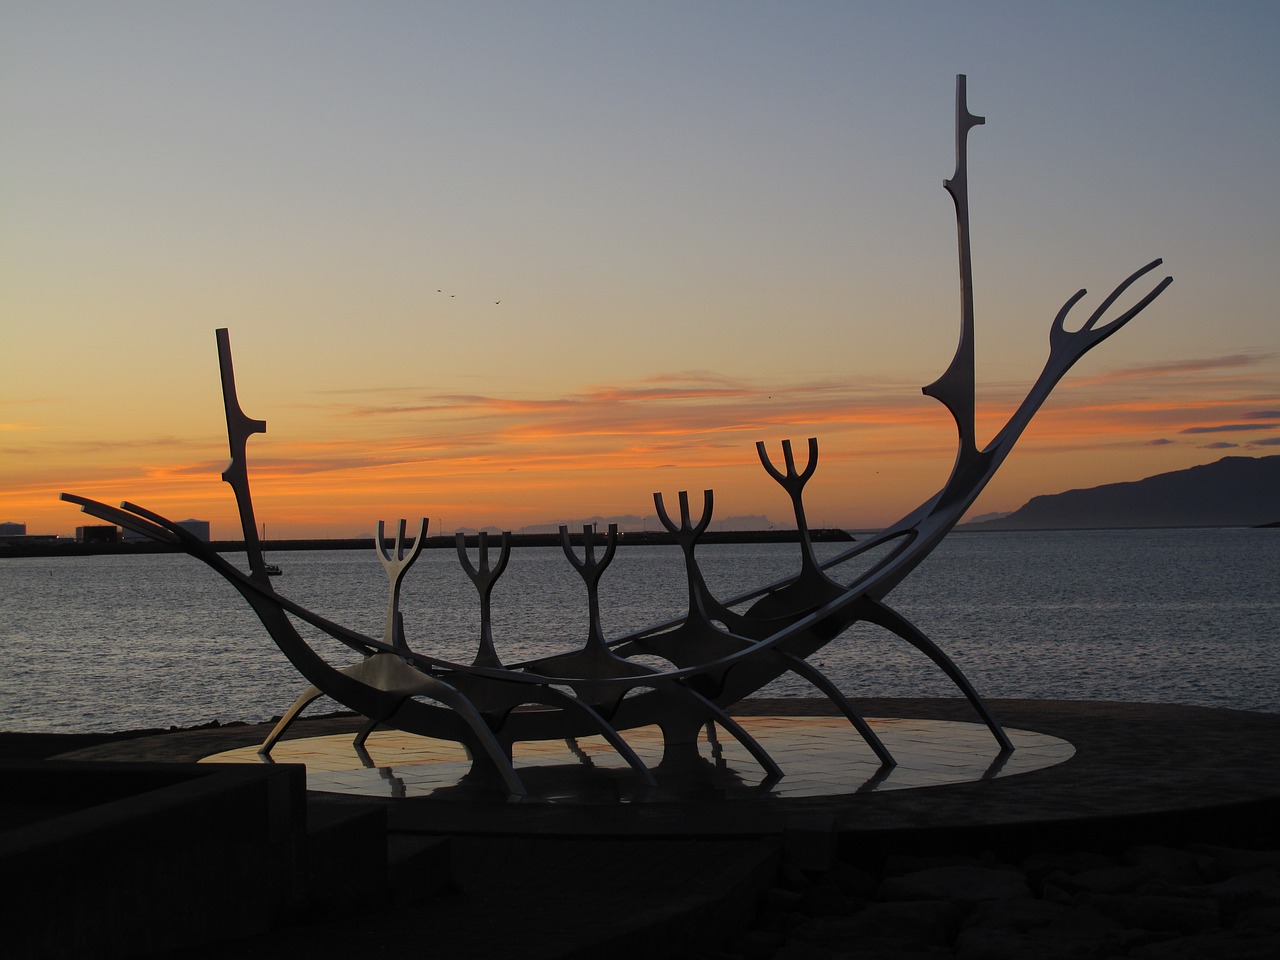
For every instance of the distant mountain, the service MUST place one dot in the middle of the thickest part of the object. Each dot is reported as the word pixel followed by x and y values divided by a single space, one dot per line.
pixel 1234 491
pixel 986 517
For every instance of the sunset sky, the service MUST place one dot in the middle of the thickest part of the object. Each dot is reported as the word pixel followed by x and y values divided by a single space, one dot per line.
pixel 508 264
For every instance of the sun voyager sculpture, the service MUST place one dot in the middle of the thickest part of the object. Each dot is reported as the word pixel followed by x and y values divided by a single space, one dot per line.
pixel 716 655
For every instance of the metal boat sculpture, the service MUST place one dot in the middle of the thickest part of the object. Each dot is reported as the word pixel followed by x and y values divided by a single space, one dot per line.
pixel 681 676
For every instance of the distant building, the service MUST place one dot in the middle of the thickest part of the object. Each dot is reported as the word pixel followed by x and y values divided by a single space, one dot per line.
pixel 8 530
pixel 98 533
pixel 198 528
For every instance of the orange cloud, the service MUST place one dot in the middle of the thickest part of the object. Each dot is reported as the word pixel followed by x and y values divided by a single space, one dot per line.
pixel 1231 428
pixel 340 461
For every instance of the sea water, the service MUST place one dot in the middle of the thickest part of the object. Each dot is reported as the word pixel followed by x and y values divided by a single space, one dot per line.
pixel 1179 616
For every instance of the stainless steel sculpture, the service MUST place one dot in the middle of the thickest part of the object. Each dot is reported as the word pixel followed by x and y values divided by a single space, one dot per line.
pixel 717 654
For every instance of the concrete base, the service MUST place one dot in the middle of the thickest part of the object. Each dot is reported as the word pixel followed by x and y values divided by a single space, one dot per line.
pixel 119 859
pixel 557 879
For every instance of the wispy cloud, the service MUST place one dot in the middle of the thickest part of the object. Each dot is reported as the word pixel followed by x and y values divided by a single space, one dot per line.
pixel 1195 367
pixel 1231 428
pixel 693 419
pixel 102 445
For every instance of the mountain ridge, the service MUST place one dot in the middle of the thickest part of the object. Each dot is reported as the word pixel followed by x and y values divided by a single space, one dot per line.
pixel 1231 492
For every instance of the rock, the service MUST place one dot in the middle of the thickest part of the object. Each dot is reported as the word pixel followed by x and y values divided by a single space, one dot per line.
pixel 799 950
pixel 1037 866
pixel 1176 915
pixel 875 951
pixel 809 842
pixel 789 921
pixel 1083 925
pixel 778 898
pixel 923 923
pixel 898 864
pixel 960 884
pixel 1220 863
pixel 755 944
pixel 828 900
pixel 818 931
pixel 1244 891
pixel 1018 916
pixel 1151 902
pixel 793 878
pixel 1108 879
pixel 1259 918
pixel 854 881
pixel 1216 945
pixel 1168 864
pixel 981 943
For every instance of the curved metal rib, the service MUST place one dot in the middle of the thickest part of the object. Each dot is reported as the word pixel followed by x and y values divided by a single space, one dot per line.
pixel 891 620
pixel 793 482
pixel 591 570
pixel 808 671
pixel 396 567
pixel 484 579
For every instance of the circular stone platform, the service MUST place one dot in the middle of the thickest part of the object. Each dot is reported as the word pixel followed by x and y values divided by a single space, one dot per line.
pixel 820 757
pixel 1137 770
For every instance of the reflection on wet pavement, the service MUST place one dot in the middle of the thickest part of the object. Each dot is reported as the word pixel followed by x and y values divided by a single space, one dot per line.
pixel 820 756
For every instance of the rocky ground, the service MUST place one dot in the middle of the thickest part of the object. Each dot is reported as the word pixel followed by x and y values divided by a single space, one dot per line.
pixel 1192 902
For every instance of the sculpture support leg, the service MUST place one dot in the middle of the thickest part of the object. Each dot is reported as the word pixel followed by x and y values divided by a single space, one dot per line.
pixel 895 622
pixel 607 731
pixel 771 768
pixel 308 696
pixel 808 671
pixel 368 728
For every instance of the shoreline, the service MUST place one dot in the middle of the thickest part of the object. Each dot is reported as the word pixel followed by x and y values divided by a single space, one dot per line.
pixel 69 548
pixel 40 547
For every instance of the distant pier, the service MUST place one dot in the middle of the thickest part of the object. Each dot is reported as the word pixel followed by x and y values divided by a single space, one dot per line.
pixel 71 548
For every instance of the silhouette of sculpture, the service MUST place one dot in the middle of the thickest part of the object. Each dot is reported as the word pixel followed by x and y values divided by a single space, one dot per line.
pixel 716 654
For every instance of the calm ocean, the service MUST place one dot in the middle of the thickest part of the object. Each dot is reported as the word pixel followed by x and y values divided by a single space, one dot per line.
pixel 1178 616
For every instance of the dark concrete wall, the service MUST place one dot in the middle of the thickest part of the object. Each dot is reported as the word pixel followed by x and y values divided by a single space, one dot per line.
pixel 150 856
